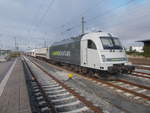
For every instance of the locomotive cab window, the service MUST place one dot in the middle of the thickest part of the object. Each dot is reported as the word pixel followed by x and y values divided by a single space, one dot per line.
pixel 91 44
pixel 111 43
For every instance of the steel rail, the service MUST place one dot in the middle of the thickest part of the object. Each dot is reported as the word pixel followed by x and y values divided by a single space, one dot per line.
pixel 142 72
pixel 52 108
pixel 110 84
pixel 82 99
pixel 137 75
pixel 121 88
pixel 134 84
pixel 140 67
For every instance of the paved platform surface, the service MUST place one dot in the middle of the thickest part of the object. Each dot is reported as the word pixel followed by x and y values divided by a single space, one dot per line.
pixel 14 98
pixel 4 67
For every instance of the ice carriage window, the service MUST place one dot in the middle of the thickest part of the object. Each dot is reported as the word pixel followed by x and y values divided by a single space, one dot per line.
pixel 91 44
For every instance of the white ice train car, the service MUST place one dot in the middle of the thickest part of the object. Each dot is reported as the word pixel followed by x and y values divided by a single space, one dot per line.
pixel 40 53
pixel 31 53
pixel 92 51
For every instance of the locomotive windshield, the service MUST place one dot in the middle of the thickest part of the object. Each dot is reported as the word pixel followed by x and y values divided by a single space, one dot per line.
pixel 111 43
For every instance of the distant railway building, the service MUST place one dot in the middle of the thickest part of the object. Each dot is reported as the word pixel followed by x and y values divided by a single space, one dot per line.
pixel 4 52
pixel 135 48
pixel 4 55
pixel 146 47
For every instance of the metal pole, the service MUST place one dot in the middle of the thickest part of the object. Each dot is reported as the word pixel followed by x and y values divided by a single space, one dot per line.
pixel 45 43
pixel 15 43
pixel 82 25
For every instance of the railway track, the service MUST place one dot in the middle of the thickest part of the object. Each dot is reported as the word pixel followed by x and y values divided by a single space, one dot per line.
pixel 39 102
pixel 141 75
pixel 128 89
pixel 55 97
pixel 142 67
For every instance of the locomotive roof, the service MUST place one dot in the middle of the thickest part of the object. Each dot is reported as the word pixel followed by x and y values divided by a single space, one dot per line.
pixel 78 38
pixel 67 41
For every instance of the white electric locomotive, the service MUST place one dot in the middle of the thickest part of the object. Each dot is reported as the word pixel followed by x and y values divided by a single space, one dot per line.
pixel 103 51
pixel 93 51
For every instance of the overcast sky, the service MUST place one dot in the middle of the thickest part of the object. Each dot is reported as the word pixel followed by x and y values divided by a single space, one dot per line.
pixel 33 22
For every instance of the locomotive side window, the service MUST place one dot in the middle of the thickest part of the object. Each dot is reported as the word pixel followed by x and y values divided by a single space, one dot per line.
pixel 91 44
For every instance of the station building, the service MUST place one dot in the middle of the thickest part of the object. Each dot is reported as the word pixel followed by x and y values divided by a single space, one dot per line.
pixel 146 47
pixel 4 52
pixel 136 48
pixel 4 55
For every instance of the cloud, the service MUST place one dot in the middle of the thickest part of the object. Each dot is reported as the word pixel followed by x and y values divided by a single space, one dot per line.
pixel 132 23
pixel 24 19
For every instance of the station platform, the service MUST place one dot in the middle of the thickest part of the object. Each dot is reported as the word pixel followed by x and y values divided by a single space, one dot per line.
pixel 13 90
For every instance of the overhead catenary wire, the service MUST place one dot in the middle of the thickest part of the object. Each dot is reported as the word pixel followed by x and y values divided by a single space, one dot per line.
pixel 31 28
pixel 35 26
pixel 88 21
pixel 45 13
pixel 83 13
pixel 121 22
pixel 99 15
pixel 109 11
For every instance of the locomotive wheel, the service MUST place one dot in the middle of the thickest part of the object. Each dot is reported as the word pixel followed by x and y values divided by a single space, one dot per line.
pixel 84 70
pixel 91 73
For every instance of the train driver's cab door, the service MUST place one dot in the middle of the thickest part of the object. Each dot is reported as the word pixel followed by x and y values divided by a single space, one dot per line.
pixel 90 58
pixel 84 52
pixel 92 54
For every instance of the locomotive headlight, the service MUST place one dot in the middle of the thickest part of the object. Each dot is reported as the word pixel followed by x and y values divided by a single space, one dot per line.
pixel 103 58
